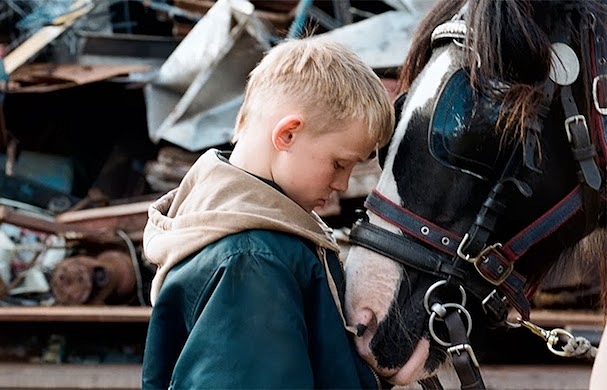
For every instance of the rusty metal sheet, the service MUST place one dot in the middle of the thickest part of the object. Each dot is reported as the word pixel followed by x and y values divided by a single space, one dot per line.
pixel 46 77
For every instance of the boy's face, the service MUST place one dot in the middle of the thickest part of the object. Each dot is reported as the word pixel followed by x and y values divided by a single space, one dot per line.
pixel 309 167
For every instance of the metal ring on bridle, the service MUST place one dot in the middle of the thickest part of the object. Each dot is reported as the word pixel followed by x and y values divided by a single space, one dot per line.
pixel 433 287
pixel 553 339
pixel 433 318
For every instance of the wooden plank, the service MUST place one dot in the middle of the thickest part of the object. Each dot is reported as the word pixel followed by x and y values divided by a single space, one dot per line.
pixel 104 212
pixel 561 318
pixel 128 314
pixel 50 76
pixel 30 47
pixel 129 218
pixel 31 221
pixel 544 318
pixel 22 53
pixel 528 377
pixel 128 376
pixel 69 376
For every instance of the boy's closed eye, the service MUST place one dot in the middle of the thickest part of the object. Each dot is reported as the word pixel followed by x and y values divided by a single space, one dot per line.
pixel 338 165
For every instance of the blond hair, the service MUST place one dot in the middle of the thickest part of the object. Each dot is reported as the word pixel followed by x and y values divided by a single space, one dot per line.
pixel 325 78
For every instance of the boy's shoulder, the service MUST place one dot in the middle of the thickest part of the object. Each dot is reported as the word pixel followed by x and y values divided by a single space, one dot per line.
pixel 264 242
pixel 253 250
pixel 273 245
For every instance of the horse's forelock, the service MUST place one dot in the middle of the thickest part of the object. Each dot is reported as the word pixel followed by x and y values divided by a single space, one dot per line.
pixel 420 51
pixel 509 41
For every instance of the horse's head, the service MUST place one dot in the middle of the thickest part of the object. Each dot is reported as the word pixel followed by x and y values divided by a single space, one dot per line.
pixel 496 166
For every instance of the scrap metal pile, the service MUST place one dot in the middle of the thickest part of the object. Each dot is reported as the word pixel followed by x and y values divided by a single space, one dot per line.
pixel 105 104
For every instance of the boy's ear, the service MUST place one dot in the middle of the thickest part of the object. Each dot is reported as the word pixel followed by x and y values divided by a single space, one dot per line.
pixel 285 130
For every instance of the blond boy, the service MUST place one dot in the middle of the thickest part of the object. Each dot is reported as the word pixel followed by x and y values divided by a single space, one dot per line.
pixel 247 289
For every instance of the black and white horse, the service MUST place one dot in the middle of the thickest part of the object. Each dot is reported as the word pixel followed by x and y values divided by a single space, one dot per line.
pixel 496 166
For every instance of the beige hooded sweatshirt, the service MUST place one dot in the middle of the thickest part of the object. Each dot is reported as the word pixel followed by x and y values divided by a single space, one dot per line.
pixel 216 199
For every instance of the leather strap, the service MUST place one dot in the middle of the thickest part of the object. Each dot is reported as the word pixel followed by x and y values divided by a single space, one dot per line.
pixel 597 39
pixel 425 260
pixel 464 360
pixel 582 147
pixel 412 224
pixel 431 383
pixel 496 263
pixel 406 252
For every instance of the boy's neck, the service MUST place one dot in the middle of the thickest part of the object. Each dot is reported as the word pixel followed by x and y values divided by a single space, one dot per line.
pixel 252 159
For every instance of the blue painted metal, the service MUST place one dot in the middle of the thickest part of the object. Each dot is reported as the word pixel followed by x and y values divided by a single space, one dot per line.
pixel 301 14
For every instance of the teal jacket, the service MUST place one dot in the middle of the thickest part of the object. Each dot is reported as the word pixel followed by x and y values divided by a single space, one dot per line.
pixel 251 307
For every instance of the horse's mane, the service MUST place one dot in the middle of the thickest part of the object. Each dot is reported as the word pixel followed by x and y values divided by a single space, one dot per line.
pixel 420 49
pixel 582 260
pixel 508 42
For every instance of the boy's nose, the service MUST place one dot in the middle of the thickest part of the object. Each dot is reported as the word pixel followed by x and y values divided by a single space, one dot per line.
pixel 341 182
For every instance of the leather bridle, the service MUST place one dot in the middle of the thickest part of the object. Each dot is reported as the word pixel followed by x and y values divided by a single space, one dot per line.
pixel 473 263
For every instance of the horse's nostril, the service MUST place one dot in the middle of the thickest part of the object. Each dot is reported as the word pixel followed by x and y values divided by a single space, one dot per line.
pixel 360 329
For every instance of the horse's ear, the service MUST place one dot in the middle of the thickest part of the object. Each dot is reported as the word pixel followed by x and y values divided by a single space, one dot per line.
pixel 398 108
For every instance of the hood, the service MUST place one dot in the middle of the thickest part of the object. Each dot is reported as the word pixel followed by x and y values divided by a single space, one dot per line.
pixel 216 199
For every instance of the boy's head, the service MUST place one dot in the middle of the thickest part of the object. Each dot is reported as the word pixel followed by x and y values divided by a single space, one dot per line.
pixel 312 110
pixel 326 80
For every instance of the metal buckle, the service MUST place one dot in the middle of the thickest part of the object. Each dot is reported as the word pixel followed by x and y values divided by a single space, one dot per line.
pixel 460 247
pixel 467 257
pixel 483 256
pixel 574 119
pixel 488 298
pixel 466 347
pixel 595 93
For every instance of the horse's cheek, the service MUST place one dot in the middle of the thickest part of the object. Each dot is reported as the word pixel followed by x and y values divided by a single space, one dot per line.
pixel 371 285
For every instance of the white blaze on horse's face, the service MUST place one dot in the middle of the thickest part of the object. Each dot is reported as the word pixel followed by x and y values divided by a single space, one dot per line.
pixel 372 280
pixel 369 301
pixel 419 98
